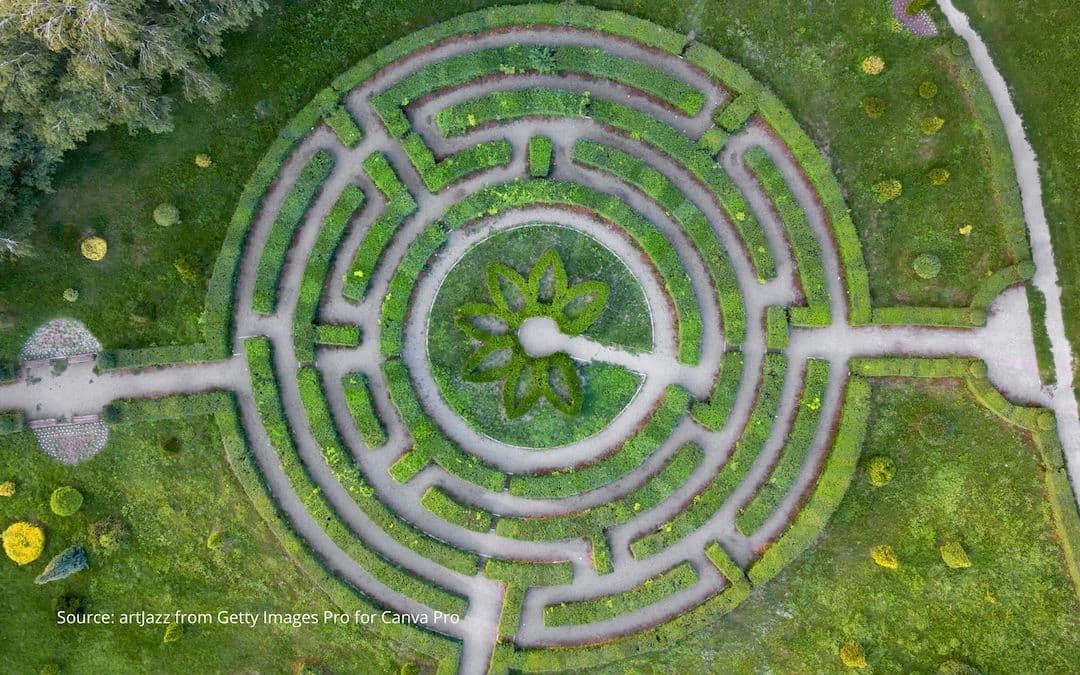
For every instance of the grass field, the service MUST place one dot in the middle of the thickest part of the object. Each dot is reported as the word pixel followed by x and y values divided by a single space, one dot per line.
pixel 170 503
pixel 136 297
pixel 1013 611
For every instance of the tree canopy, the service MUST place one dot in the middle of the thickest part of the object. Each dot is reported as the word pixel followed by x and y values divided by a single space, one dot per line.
pixel 71 67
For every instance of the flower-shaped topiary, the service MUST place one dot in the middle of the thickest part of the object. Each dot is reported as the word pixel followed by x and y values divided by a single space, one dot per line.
pixel 500 356
pixel 23 542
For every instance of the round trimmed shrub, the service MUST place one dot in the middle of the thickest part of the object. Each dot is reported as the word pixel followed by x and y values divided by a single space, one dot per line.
pixel 955 556
pixel 939 176
pixel 926 266
pixel 203 161
pixel 873 106
pixel 880 470
pixel 883 555
pixel 65 501
pixel 872 65
pixel 23 542
pixel 951 667
pixel 188 267
pixel 928 90
pixel 94 248
pixel 852 655
pixel 935 429
pixel 166 215
pixel 7 488
pixel 931 125
pixel 887 190
pixel 71 294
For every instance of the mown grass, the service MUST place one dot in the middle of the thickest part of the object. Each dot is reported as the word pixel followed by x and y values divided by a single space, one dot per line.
pixel 113 183
pixel 170 502
pixel 1036 49
pixel 1013 611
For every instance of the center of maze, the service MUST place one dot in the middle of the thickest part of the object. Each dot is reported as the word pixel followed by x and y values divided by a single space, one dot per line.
pixel 533 336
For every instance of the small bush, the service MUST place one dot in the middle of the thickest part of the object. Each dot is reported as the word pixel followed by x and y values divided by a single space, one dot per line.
pixel 955 556
pixel 67 603
pixel 65 501
pixel 926 266
pixel 939 176
pixel 171 445
pixel 71 294
pixel 173 632
pixel 107 535
pixel 928 90
pixel 23 542
pixel 166 215
pixel 931 125
pixel 216 539
pixel 880 470
pixel 94 248
pixel 935 429
pixel 852 655
pixel 67 562
pixel 887 190
pixel 7 488
pixel 873 106
pixel 884 556
pixel 872 65
pixel 203 161
pixel 189 268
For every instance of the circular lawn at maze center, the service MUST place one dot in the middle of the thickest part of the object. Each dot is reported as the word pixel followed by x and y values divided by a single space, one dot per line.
pixel 475 357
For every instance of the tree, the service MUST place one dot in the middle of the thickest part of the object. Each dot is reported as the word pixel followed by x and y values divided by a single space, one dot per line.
pixel 68 68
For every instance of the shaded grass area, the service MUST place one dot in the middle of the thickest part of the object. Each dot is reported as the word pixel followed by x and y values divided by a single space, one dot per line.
pixel 980 484
pixel 136 296
pixel 171 503
pixel 1038 53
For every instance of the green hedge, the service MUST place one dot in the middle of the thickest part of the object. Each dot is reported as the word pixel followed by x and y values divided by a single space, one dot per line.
pixel 118 359
pixel 317 270
pixel 451 510
pixel 395 304
pixel 713 414
pixel 428 443
pixel 343 596
pixel 128 410
pixel 690 219
pixel 322 427
pixel 399 206
pixel 268 402
pixel 540 152
pixel 793 455
pixel 288 218
pixel 676 471
pixel 776 328
pixel 712 141
pixel 343 125
pixel 1032 419
pixel 974 314
pixel 737 112
pixel 11 422
pixel 707 502
pixel 498 106
pixel 807 248
pixel 1044 353
pixel 358 399
pixel 678 578
pixel 833 482
pixel 901 366
pixel 612 467
pixel 1062 500
pixel 507 196
pixel 337 335
pixel 438 174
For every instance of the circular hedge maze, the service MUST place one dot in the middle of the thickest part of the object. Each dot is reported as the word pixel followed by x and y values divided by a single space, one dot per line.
pixel 549 314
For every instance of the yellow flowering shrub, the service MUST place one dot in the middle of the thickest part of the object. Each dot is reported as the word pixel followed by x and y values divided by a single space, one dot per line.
pixel 880 470
pixel 203 161
pixel 852 655
pixel 884 556
pixel 872 65
pixel 873 106
pixel 931 125
pixel 94 248
pixel 938 176
pixel 23 542
pixel 7 488
pixel 955 556
pixel 887 190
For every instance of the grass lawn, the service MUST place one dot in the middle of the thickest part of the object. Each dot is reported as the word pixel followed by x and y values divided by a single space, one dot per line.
pixel 1038 52
pixel 170 502
pixel 136 297
pixel 1013 611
